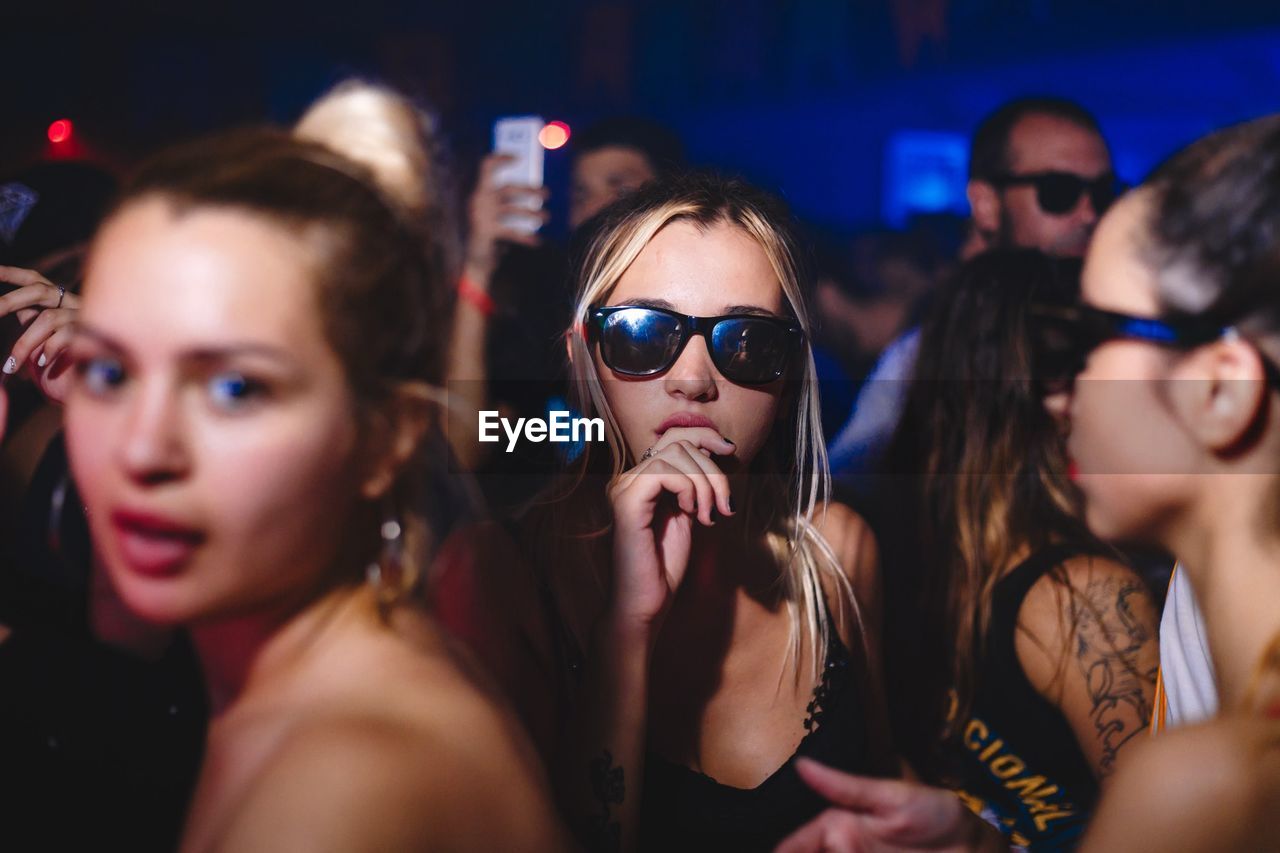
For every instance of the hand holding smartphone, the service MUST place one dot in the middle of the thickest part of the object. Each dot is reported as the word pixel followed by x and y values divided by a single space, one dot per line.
pixel 517 138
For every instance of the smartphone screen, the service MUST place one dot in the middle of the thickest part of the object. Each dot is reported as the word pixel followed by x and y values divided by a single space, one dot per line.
pixel 517 137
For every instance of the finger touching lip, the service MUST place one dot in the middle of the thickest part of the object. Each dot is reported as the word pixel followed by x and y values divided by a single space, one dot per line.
pixel 707 439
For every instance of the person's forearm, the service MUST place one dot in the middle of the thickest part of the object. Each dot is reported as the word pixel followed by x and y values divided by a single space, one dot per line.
pixel 467 374
pixel 600 777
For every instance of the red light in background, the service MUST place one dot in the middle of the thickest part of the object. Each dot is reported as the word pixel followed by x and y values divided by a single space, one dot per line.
pixel 554 135
pixel 60 131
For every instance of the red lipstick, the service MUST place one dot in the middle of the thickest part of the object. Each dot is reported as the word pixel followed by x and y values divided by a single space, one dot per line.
pixel 153 544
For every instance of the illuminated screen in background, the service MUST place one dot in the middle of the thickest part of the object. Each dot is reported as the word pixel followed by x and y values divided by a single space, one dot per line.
pixel 924 172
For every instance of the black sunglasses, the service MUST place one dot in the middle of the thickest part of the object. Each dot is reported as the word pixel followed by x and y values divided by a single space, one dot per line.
pixel 1064 335
pixel 747 349
pixel 1058 193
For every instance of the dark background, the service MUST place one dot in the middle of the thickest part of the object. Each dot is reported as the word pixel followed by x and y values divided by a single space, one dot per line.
pixel 856 110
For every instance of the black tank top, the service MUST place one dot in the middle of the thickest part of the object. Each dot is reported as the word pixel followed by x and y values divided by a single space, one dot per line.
pixel 682 809
pixel 1018 758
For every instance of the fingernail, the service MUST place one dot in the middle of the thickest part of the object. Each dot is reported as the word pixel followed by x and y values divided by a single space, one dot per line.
pixel 729 440
pixel 41 360
pixel 10 365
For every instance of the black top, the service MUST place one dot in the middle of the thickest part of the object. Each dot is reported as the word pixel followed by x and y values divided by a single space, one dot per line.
pixel 98 747
pixel 1019 760
pixel 683 809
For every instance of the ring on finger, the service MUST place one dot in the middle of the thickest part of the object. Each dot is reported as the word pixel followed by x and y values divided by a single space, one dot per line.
pixel 648 454
pixel 62 291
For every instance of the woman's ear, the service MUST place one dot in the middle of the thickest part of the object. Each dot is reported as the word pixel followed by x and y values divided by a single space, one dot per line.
pixel 1221 393
pixel 397 435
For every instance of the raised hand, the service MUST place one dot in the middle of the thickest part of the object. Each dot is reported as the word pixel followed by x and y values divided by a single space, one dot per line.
pixel 655 505
pixel 46 312
pixel 488 209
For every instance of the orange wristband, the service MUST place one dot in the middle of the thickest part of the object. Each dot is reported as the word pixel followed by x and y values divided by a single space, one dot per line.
pixel 479 299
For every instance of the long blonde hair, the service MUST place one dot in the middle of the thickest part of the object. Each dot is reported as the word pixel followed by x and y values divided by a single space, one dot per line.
pixel 786 497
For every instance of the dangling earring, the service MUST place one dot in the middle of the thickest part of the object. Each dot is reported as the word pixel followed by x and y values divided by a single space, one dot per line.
pixel 386 574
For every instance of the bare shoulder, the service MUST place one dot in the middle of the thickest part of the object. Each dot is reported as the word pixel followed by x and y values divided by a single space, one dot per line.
pixel 1089 592
pixel 390 781
pixel 854 546
pixel 1088 641
pixel 1092 571
pixel 422 676
pixel 1210 787
pixel 851 540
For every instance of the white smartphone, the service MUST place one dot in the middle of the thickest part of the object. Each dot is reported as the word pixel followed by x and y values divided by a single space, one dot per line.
pixel 517 136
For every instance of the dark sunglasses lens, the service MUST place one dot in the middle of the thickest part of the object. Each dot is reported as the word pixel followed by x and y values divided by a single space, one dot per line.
pixel 638 341
pixel 1059 194
pixel 750 351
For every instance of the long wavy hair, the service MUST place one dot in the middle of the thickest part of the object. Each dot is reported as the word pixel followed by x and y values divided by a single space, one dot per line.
pixel 790 477
pixel 984 473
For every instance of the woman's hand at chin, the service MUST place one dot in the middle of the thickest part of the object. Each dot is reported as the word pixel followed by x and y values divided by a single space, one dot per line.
pixel 655 507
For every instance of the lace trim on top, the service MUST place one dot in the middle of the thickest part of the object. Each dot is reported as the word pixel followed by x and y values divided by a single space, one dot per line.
pixel 835 675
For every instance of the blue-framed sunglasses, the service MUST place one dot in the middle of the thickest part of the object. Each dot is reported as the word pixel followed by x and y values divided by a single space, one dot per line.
pixel 747 349
pixel 1064 335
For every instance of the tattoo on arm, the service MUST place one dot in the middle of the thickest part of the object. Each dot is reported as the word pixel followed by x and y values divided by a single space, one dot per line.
pixel 608 786
pixel 1109 642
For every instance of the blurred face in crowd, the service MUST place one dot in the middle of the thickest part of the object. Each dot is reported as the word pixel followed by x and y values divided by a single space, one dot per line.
pixel 603 176
pixel 704 273
pixel 1013 215
pixel 1133 457
pixel 210 428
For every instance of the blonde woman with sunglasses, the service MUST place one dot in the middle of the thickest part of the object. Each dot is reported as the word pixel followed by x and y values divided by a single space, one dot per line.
pixel 704 613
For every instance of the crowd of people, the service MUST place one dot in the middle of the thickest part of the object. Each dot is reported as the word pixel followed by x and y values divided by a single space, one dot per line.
pixel 874 547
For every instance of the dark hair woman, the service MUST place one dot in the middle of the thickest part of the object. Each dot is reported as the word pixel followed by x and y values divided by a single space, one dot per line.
pixel 1174 418
pixel 1023 653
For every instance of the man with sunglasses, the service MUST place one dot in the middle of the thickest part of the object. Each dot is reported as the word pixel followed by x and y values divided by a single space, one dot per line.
pixel 1040 177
